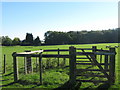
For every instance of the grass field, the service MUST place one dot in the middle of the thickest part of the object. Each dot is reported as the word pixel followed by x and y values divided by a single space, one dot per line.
pixel 52 78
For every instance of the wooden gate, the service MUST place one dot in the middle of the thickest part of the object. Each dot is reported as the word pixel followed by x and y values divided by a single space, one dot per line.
pixel 92 65
pixel 85 63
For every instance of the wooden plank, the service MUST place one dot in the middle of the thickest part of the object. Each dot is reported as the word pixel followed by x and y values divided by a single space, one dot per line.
pixel 72 62
pixel 91 64
pixel 100 67
pixel 15 67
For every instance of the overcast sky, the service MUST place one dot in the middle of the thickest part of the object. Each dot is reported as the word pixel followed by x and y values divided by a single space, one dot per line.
pixel 19 18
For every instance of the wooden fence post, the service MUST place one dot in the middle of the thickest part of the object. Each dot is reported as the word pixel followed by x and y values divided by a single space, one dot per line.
pixel 72 63
pixel 4 71
pixel 58 57
pixel 112 66
pixel 15 67
pixel 40 67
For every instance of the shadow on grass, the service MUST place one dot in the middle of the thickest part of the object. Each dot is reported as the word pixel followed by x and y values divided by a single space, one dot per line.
pixel 9 74
pixel 68 86
pixel 104 86
pixel 22 82
pixel 8 84
pixel 25 82
pixel 5 80
pixel 36 86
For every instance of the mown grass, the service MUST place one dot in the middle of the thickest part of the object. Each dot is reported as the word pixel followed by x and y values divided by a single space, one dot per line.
pixel 52 78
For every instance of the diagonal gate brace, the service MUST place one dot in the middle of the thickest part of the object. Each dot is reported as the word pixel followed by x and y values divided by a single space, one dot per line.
pixel 99 66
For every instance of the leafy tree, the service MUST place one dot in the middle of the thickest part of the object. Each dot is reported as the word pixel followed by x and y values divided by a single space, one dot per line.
pixel 16 41
pixel 37 41
pixel 77 37
pixel 24 43
pixel 29 39
pixel 6 41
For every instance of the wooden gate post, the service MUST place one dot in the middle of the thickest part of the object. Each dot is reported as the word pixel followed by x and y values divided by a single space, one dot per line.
pixel 15 67
pixel 72 63
pixel 40 67
pixel 112 65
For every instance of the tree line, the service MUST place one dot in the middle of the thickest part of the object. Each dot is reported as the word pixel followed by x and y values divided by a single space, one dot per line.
pixel 28 41
pixel 71 37
pixel 82 37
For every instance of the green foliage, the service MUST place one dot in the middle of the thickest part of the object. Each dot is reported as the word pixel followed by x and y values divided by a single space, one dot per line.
pixel 37 41
pixel 29 41
pixel 16 41
pixel 78 37
pixel 6 41
pixel 29 38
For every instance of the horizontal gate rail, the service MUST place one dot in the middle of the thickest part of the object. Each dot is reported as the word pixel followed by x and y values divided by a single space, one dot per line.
pixel 94 53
